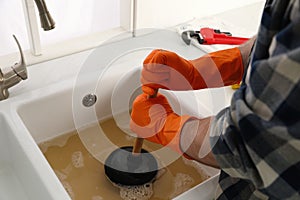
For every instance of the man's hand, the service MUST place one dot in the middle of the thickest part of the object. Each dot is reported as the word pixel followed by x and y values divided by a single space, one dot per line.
pixel 166 69
pixel 154 119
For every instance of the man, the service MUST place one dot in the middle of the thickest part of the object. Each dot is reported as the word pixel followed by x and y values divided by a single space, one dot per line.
pixel 255 141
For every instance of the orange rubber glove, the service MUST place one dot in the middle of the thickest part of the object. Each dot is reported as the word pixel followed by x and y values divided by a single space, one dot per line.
pixel 154 120
pixel 165 69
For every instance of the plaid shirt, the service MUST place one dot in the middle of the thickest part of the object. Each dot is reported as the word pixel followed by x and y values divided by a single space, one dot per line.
pixel 256 140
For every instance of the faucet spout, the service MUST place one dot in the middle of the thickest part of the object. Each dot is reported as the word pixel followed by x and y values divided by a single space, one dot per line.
pixel 20 67
pixel 47 21
pixel 17 73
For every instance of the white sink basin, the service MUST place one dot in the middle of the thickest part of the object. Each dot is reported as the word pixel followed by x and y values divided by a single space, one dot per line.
pixel 53 114
pixel 19 178
pixel 13 177
pixel 57 109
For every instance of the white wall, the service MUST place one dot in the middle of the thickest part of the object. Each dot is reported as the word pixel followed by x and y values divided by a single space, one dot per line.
pixel 75 18
pixel 12 22
pixel 166 13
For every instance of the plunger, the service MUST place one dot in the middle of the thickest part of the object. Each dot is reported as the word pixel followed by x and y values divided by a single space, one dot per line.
pixel 131 165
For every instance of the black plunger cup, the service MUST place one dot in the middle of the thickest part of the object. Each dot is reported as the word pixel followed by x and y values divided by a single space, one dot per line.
pixel 131 165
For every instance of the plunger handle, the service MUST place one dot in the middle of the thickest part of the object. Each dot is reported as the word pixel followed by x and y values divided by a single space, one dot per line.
pixel 138 143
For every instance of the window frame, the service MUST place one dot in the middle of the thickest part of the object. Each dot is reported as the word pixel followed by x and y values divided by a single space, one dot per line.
pixel 39 53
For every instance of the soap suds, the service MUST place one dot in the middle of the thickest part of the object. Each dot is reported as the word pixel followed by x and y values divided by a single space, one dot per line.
pixel 182 183
pixel 97 198
pixel 69 189
pixel 196 165
pixel 140 192
pixel 61 176
pixel 67 170
pixel 77 159
pixel 54 142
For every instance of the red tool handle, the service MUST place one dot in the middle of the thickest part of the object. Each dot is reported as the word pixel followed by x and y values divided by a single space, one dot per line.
pixel 210 36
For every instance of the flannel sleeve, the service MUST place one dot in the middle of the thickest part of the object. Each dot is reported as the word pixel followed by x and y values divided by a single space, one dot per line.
pixel 256 139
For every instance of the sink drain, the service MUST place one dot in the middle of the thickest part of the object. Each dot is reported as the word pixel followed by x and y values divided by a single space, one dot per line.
pixel 89 100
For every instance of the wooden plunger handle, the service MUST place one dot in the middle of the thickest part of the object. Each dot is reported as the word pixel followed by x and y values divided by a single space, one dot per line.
pixel 138 143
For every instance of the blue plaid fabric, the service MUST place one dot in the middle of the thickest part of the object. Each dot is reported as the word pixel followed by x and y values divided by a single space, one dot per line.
pixel 256 140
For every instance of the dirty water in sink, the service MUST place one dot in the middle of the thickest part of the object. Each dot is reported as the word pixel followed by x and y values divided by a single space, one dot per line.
pixel 84 179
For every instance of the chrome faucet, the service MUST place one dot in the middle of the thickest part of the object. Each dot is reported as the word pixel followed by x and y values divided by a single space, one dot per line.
pixel 17 73
pixel 47 22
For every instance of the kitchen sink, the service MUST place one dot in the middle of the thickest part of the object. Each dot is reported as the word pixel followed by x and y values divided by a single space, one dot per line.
pixel 57 113
pixel 59 108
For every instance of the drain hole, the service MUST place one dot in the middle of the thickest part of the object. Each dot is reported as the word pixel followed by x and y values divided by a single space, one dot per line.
pixel 89 100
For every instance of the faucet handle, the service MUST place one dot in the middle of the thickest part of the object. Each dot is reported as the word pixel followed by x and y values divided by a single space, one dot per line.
pixel 20 67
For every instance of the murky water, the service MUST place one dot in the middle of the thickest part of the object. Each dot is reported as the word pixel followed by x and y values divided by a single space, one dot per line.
pixel 84 179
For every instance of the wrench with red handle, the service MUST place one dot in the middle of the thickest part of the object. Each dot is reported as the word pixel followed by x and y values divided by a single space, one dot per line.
pixel 212 36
